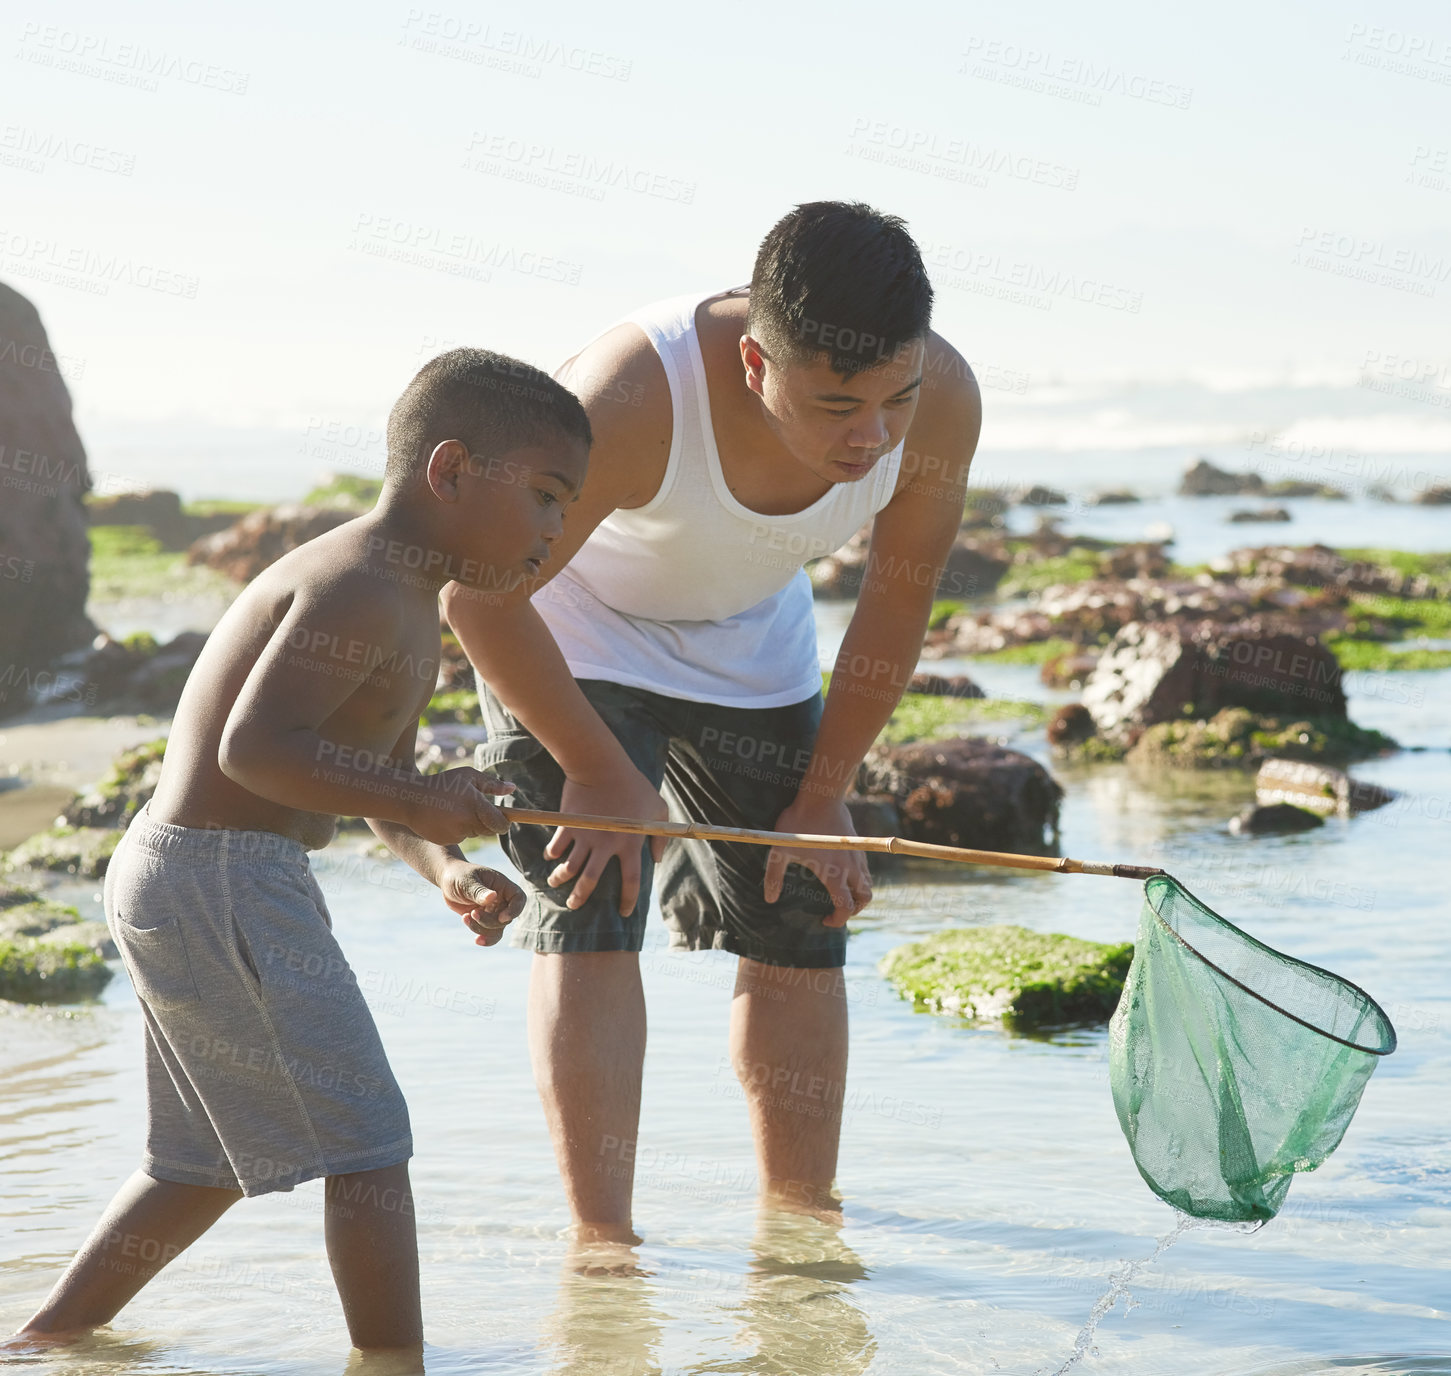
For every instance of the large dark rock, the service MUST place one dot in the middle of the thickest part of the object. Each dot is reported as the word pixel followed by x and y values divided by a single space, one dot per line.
pixel 1259 513
pixel 967 792
pixel 131 675
pixel 1165 671
pixel 44 549
pixel 261 538
pixel 1274 819
pixel 1203 479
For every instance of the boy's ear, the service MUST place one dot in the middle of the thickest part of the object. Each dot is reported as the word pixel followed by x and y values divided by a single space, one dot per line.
pixel 446 465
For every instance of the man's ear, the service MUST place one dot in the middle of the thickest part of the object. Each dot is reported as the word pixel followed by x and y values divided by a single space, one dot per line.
pixel 754 360
pixel 446 465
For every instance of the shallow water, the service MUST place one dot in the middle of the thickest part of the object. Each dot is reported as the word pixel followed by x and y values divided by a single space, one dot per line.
pixel 989 1194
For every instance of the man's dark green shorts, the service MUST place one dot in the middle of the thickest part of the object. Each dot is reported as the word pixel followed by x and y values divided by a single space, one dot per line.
pixel 728 766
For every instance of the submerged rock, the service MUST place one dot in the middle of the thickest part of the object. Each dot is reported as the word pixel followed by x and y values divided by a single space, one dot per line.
pixel 973 568
pixel 1113 496
pixel 1172 670
pixel 1274 819
pixel 39 971
pixel 940 686
pixel 1012 975
pixel 1318 787
pixel 967 792
pixel 1262 513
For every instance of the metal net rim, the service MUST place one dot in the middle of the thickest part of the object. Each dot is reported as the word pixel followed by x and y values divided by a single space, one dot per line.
pixel 1166 879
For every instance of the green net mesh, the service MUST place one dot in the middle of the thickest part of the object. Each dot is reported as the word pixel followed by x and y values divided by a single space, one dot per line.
pixel 1233 1065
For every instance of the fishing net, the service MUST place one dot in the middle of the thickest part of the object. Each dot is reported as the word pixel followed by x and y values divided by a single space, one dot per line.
pixel 1233 1065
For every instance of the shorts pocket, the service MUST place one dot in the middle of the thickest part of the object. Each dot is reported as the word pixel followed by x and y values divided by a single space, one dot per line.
pixel 156 958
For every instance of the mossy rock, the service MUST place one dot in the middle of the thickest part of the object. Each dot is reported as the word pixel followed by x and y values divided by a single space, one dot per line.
pixel 460 705
pixel 81 851
pixel 121 794
pixel 1010 975
pixel 1236 738
pixel 346 490
pixel 34 970
pixel 55 924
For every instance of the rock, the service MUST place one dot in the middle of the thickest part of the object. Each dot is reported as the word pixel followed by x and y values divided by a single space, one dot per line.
pixel 1436 495
pixel 1298 487
pixel 1274 819
pixel 38 971
pixel 873 814
pixel 1317 787
pixel 455 673
pixel 158 510
pixel 81 851
pixel 1318 566
pixel 1236 738
pixel 44 548
pixel 973 568
pixel 262 537
pixel 121 794
pixel 1146 559
pixel 131 675
pixel 1009 974
pixel 55 924
pixel 1072 723
pixel 938 686
pixel 1203 479
pixel 1264 513
pixel 1113 496
pixel 1170 670
pixel 967 792
pixel 1038 495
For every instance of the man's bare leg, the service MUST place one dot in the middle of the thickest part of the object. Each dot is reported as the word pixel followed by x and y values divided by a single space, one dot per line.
pixel 788 1047
pixel 372 1246
pixel 587 1046
pixel 146 1225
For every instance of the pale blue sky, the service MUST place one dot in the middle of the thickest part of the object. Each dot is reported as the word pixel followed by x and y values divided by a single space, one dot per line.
pixel 1220 142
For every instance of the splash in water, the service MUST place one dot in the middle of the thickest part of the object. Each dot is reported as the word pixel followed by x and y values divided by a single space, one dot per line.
pixel 1118 1283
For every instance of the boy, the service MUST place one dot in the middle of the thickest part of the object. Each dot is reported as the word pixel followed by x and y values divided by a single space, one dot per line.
pixel 304 705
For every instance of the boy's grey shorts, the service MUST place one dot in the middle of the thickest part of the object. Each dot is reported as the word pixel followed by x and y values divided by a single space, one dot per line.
pixel 729 766
pixel 263 1064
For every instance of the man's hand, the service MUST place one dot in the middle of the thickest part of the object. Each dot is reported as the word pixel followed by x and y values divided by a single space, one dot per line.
pixel 843 872
pixel 484 898
pixel 454 805
pixel 589 852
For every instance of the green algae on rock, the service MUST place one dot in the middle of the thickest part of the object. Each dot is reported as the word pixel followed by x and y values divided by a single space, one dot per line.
pixel 82 851
pixel 120 795
pixel 1009 974
pixel 33 970
pixel 1236 738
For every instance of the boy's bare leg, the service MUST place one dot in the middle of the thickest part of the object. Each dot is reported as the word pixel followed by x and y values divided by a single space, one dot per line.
pixel 788 1046
pixel 146 1225
pixel 372 1246
pixel 587 1045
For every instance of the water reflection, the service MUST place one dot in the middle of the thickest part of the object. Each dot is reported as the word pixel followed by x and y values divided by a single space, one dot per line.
pixel 605 1321
pixel 797 1317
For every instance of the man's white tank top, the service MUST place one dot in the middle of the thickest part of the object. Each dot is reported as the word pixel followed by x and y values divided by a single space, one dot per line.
pixel 694 595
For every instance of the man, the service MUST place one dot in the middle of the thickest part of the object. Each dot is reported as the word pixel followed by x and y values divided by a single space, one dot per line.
pixel 737 435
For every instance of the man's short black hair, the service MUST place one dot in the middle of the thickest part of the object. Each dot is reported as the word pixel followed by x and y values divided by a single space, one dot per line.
pixel 841 279
pixel 490 402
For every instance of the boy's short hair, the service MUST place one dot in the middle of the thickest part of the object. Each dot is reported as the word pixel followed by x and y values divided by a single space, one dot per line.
pixel 490 402
pixel 841 279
